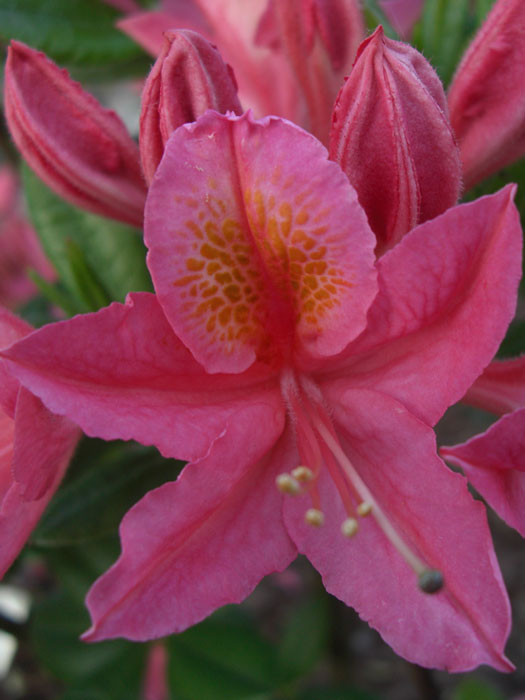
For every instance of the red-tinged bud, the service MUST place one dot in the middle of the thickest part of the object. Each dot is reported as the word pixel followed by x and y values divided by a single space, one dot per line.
pixel 188 78
pixel 391 135
pixel 81 150
pixel 320 39
pixel 487 95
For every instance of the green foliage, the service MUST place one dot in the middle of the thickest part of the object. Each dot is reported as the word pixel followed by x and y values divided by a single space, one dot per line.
pixel 221 658
pixel 98 260
pixel 78 34
pixel 104 671
pixel 305 636
pixel 445 30
pixel 102 483
pixel 336 693
pixel 473 689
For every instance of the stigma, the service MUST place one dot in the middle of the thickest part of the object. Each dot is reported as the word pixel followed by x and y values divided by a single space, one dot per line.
pixel 319 449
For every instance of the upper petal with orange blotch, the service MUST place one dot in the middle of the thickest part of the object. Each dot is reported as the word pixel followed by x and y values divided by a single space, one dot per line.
pixel 258 247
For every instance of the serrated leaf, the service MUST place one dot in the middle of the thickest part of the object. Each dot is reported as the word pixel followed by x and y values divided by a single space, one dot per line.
pixel 305 636
pixel 223 657
pixel 103 482
pixel 114 253
pixel 76 34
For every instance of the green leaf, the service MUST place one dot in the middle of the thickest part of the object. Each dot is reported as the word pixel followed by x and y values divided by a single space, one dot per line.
pixel 305 636
pixel 104 671
pixel 103 482
pixel 472 689
pixel 52 294
pixel 514 342
pixel 37 311
pixel 482 9
pixel 78 34
pixel 443 33
pixel 223 657
pixel 97 259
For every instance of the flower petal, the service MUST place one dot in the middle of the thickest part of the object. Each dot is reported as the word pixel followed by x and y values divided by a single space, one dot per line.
pixel 47 454
pixel 147 28
pixel 203 541
pixel 12 329
pixel 79 149
pixel 447 294
pixel 257 246
pixel 122 373
pixel 43 444
pixel 494 463
pixel 487 95
pixel 501 387
pixel 432 510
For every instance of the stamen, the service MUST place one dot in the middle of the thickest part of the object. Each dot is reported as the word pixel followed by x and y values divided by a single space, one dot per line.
pixel 314 517
pixel 349 527
pixel 303 474
pixel 430 580
pixel 364 509
pixel 287 484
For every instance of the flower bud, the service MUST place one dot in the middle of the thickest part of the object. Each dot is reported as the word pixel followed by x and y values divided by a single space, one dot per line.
pixel 320 39
pixel 188 78
pixel 78 148
pixel 391 136
pixel 487 95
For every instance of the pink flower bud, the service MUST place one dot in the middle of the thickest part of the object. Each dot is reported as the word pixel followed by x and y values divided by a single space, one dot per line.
pixel 391 136
pixel 320 39
pixel 78 148
pixel 487 95
pixel 188 78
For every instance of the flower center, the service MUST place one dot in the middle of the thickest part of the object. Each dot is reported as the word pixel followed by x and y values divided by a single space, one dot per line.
pixel 319 448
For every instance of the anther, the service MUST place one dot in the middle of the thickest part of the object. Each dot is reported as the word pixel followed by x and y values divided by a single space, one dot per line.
pixel 303 474
pixel 431 581
pixel 349 527
pixel 364 509
pixel 314 517
pixel 287 484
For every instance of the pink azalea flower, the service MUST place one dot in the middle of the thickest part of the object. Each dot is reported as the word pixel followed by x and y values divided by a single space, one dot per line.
pixel 487 95
pixel 494 462
pixel 35 449
pixel 19 246
pixel 299 379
